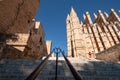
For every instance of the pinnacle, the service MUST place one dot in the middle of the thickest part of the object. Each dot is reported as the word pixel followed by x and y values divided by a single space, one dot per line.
pixel 72 11
pixel 68 16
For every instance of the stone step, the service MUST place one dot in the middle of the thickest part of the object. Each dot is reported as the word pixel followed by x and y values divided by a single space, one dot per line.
pixel 19 69
pixel 49 70
pixel 100 73
pixel 53 78
pixel 97 66
pixel 100 78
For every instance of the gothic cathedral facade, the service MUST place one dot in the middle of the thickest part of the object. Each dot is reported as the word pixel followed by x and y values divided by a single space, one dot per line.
pixel 92 37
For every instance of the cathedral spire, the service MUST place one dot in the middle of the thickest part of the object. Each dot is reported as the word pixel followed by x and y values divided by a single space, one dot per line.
pixel 68 17
pixel 73 16
pixel 106 15
pixel 95 16
pixel 73 13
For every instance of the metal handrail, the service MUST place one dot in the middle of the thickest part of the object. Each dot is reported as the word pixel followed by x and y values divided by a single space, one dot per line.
pixel 74 72
pixel 56 51
pixel 35 73
pixel 56 66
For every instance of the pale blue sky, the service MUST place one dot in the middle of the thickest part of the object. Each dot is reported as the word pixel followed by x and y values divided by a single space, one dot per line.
pixel 53 13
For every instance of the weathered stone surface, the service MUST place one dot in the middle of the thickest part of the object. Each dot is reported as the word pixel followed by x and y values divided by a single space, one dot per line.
pixel 31 45
pixel 11 52
pixel 111 54
pixel 36 46
pixel 16 15
pixel 23 36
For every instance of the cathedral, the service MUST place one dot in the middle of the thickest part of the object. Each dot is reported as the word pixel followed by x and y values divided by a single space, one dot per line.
pixel 92 36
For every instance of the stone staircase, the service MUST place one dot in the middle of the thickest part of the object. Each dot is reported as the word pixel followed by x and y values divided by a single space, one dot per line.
pixel 49 70
pixel 97 70
pixel 19 69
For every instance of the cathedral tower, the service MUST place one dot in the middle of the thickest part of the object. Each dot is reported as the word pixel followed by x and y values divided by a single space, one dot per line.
pixel 75 39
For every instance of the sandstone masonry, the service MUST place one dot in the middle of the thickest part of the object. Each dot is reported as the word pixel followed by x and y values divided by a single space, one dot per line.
pixel 92 37
pixel 27 45
pixel 16 15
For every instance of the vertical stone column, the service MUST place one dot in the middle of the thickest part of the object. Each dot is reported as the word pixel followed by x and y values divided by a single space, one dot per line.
pixel 69 36
pixel 88 40
pixel 108 35
pixel 93 42
pixel 104 38
pixel 101 43
pixel 93 30
pixel 107 26
pixel 115 30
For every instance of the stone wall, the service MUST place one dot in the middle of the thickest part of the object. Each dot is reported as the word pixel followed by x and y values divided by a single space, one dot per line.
pixel 36 46
pixel 31 45
pixel 16 15
pixel 11 52
pixel 20 35
pixel 111 54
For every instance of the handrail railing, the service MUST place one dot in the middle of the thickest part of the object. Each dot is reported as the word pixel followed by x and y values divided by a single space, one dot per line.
pixel 56 65
pixel 35 73
pixel 74 72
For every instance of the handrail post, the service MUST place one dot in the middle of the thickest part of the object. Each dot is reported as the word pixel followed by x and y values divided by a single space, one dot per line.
pixel 56 51
pixel 74 72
